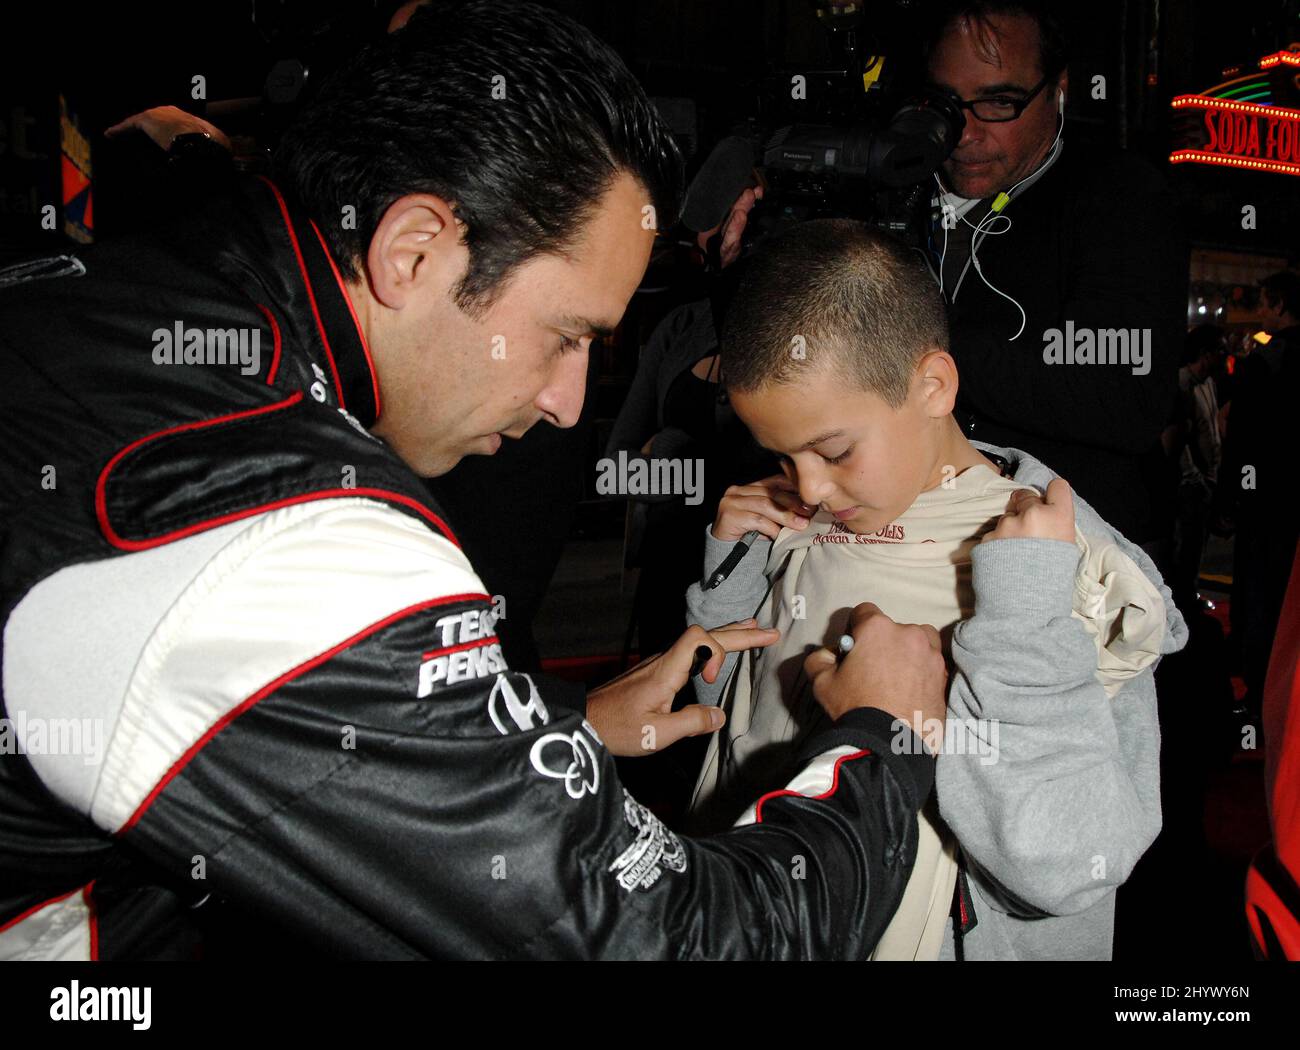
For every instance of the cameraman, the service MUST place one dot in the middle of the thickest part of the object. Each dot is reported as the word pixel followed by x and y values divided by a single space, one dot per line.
pixel 1088 241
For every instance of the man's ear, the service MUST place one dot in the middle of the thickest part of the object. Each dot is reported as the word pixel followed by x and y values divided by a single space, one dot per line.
pixel 937 374
pixel 418 240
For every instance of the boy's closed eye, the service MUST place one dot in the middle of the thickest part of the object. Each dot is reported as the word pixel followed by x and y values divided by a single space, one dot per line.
pixel 784 459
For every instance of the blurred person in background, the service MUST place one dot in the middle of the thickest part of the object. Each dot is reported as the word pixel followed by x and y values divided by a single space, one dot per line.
pixel 1198 460
pixel 1256 490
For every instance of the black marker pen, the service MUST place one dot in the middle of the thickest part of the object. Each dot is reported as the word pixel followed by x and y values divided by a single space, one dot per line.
pixel 733 559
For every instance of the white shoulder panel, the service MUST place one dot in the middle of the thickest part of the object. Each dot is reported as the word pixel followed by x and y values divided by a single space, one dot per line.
pixel 229 613
pixel 296 585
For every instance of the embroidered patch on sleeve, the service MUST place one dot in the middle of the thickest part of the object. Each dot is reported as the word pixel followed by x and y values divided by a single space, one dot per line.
pixel 655 849
pixel 469 650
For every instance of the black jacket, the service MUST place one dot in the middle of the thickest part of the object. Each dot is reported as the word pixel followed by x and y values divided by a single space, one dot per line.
pixel 318 731
pixel 1095 242
pixel 1258 449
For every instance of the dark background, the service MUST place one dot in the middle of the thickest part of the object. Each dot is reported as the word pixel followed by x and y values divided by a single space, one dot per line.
pixel 111 60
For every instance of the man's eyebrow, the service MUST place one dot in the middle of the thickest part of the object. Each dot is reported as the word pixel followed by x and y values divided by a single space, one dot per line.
pixel 984 91
pixel 1005 87
pixel 600 329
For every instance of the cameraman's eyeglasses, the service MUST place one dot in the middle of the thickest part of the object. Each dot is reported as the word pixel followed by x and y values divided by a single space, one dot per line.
pixel 998 109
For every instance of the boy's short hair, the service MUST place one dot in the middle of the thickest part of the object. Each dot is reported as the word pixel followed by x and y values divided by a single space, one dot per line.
pixel 864 304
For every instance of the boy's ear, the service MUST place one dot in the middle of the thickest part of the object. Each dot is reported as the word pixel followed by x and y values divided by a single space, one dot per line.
pixel 937 374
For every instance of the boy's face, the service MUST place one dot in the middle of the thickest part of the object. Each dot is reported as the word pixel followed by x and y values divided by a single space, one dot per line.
pixel 847 449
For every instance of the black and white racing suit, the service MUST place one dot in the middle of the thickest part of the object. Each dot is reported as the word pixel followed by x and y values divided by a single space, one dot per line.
pixel 245 662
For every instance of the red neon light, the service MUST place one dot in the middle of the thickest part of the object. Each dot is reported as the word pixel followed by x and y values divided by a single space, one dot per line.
pixel 1237 155
pixel 1286 58
pixel 1206 102
pixel 1184 156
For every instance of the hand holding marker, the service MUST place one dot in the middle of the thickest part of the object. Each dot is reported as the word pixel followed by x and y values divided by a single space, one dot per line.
pixel 733 559
pixel 774 502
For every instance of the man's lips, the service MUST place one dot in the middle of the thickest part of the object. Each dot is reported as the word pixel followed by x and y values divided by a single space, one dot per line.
pixel 519 429
pixel 844 515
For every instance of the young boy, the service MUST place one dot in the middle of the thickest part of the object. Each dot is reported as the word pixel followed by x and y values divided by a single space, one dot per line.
pixel 1047 793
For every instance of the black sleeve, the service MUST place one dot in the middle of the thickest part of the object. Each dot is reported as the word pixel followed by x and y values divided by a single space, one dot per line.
pixel 1248 435
pixel 1126 268
pixel 639 419
pixel 485 819
pixel 200 163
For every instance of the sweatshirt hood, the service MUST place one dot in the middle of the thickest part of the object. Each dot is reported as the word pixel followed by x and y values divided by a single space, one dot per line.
pixel 1097 534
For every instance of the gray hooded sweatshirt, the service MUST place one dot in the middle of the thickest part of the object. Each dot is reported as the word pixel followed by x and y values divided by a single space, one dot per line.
pixel 1057 820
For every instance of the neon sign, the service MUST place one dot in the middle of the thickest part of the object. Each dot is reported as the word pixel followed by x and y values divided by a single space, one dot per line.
pixel 1243 127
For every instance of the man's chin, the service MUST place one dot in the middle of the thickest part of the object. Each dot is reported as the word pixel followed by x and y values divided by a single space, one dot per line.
pixel 488 445
pixel 445 460
pixel 975 182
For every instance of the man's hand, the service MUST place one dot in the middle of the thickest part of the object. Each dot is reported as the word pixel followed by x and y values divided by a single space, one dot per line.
pixel 164 123
pixel 898 668
pixel 765 506
pixel 1030 516
pixel 733 226
pixel 634 713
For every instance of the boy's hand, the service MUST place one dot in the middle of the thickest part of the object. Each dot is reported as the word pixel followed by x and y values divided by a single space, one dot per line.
pixel 1030 516
pixel 764 506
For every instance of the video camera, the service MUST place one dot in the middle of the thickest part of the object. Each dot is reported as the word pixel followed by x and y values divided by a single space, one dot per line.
pixel 856 141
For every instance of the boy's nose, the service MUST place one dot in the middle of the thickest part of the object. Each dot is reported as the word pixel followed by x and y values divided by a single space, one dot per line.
pixel 814 489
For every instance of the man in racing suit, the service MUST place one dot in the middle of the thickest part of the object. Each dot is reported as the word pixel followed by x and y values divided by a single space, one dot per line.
pixel 244 660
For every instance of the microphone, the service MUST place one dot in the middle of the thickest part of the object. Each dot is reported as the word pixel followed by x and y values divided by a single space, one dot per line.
pixel 722 178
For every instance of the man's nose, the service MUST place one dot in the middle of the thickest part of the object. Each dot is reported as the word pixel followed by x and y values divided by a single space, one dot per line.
pixel 972 133
pixel 561 400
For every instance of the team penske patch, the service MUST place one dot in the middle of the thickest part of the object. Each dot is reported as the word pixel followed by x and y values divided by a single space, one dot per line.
pixel 469 650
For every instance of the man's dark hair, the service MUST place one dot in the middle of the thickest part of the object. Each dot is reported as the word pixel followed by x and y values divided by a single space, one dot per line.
pixel 864 304
pixel 1282 289
pixel 1053 47
pixel 416 113
pixel 1201 340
